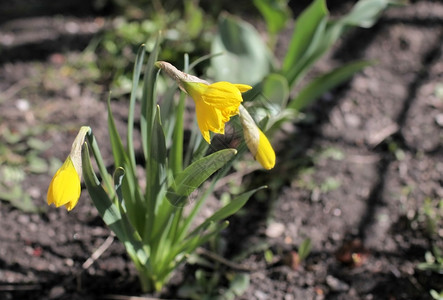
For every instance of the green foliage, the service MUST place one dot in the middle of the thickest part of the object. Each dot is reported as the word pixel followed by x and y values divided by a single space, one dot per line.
pixel 276 14
pixel 304 249
pixel 314 35
pixel 147 213
pixel 432 212
pixel 320 85
pixel 183 32
pixel 433 261
pixel 436 295
pixel 20 156
pixel 207 286
pixel 431 215
pixel 245 57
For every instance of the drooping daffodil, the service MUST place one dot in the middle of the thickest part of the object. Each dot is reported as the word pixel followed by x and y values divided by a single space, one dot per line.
pixel 65 188
pixel 256 140
pixel 215 103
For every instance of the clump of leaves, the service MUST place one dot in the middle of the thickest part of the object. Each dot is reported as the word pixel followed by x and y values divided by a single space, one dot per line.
pixel 183 31
pixel 19 156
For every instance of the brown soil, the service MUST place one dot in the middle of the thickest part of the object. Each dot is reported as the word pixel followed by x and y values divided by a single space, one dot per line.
pixel 363 161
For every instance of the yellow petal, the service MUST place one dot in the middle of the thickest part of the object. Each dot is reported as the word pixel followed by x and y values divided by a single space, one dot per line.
pixel 257 141
pixel 242 87
pixel 223 95
pixel 64 188
pixel 209 118
pixel 265 153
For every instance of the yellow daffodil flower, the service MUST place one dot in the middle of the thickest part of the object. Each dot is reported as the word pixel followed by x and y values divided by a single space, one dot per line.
pixel 256 140
pixel 64 188
pixel 215 103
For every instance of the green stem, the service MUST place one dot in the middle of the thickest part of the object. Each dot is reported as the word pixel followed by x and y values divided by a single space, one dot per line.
pixel 177 144
pixel 99 159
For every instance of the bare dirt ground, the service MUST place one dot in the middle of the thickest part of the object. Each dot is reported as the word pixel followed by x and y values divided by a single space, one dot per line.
pixel 353 176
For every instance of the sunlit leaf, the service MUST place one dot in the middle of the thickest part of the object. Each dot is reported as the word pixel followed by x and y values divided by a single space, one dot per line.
pixel 326 82
pixel 244 57
pixel 195 174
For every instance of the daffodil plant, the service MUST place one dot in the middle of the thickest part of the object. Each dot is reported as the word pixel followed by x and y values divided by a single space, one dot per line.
pixel 147 212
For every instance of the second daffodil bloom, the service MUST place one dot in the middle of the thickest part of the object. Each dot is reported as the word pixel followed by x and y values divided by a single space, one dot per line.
pixel 257 141
pixel 215 103
pixel 65 188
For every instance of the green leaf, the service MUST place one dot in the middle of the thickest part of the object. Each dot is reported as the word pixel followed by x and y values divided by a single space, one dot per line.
pixel 239 284
pixel 245 57
pixel 135 81
pixel 36 164
pixel 158 150
pixel 275 12
pixel 111 214
pixel 148 101
pixel 305 28
pixel 130 191
pixel 18 198
pixel 176 155
pixel 155 176
pixel 196 240
pixel 304 249
pixel 119 174
pixel 227 210
pixel 275 91
pixel 195 174
pixel 326 82
pixel 118 150
pixel 365 13
pixel 318 45
pixel 156 164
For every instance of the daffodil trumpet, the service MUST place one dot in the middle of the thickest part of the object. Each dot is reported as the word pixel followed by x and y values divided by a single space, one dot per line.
pixel 215 103
pixel 65 188
pixel 256 140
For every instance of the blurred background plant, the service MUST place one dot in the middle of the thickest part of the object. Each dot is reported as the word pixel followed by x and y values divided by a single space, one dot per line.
pixel 185 29
pixel 431 218
pixel 20 155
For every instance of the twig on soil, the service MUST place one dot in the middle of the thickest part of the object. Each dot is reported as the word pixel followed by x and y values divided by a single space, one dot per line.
pixel 378 137
pixel 19 287
pixel 13 89
pixel 97 253
pixel 363 159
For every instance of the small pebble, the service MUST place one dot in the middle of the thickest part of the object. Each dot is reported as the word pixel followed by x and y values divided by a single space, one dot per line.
pixel 56 292
pixel 260 295
pixel 439 120
pixel 336 285
pixel 275 230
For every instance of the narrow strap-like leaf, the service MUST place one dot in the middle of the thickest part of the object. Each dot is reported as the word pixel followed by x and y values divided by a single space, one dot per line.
pixel 135 80
pixel 148 101
pixel 227 210
pixel 326 82
pixel 304 30
pixel 195 174
pixel 176 153
pixel 111 215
